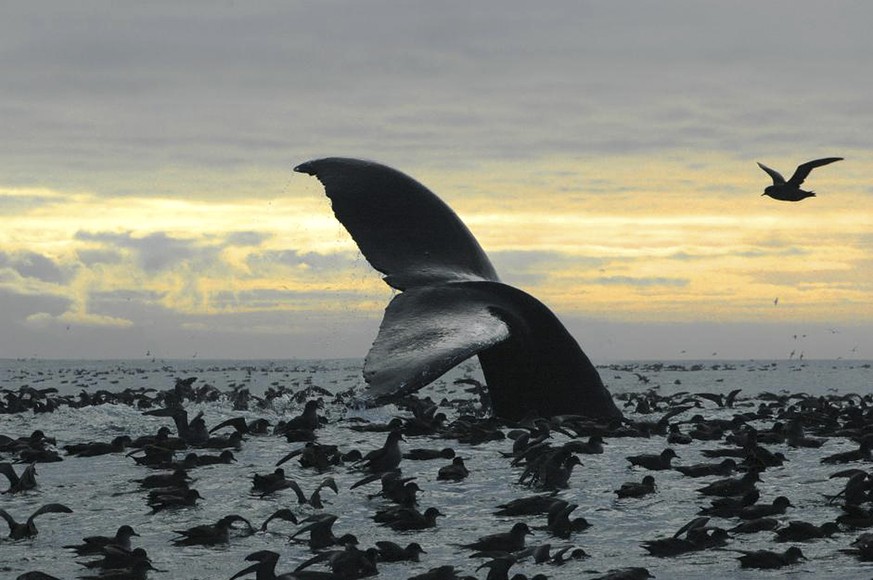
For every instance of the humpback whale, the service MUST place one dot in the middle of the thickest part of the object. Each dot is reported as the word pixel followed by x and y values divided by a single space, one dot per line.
pixel 452 304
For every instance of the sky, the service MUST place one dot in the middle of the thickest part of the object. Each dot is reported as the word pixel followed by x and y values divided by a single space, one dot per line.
pixel 603 153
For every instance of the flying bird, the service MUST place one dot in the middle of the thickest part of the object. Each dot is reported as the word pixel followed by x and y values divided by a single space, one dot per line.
pixel 790 190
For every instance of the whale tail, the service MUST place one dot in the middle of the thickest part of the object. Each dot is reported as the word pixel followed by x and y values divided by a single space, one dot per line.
pixel 453 305
pixel 403 229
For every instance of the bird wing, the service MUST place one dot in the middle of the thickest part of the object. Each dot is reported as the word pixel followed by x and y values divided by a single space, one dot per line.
pixel 9 519
pixel 329 483
pixel 50 508
pixel 672 413
pixel 28 477
pixel 7 470
pixel 427 331
pixel 238 423
pixel 693 524
pixel 731 397
pixel 284 514
pixel 402 228
pixel 804 169
pixel 777 177
pixel 290 456
pixel 167 412
pixel 366 480
pixel 236 518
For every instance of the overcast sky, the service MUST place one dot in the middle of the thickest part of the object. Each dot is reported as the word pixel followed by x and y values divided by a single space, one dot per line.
pixel 602 152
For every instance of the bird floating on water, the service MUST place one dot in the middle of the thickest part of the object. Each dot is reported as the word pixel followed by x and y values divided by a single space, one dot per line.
pixel 790 190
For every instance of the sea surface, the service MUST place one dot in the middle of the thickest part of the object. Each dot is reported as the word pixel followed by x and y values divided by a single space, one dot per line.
pixel 102 495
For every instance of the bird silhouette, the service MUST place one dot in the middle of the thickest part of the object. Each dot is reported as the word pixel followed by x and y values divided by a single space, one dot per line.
pixel 28 529
pixel 790 190
pixel 209 534
pixel 19 483
pixel 92 545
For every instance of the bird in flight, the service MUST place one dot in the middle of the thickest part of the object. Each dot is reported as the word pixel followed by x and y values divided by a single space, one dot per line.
pixel 790 190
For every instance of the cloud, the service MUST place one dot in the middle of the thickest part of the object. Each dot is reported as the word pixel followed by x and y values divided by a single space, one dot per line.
pixel 640 281
pixel 159 251
pixel 33 265
pixel 155 252
pixel 535 267
pixel 306 261
pixel 766 252
pixel 15 307
pixel 247 238
pixel 433 86
pixel 102 256
pixel 25 201
pixel 277 299
pixel 608 138
pixel 44 319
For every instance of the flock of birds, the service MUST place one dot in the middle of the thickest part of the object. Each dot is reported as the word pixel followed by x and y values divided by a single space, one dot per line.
pixel 754 439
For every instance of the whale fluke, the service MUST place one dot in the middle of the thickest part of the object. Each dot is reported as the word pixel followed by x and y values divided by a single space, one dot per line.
pixel 453 305
pixel 402 228
pixel 427 331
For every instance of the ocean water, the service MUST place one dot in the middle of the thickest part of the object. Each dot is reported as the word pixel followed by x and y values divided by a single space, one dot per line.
pixel 103 497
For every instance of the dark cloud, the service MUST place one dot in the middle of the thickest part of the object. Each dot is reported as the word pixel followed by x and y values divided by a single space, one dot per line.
pixel 155 252
pixel 259 85
pixel 757 253
pixel 164 332
pixel 101 300
pixel 33 265
pixel 246 238
pixel 94 257
pixel 530 268
pixel 15 308
pixel 159 251
pixel 279 299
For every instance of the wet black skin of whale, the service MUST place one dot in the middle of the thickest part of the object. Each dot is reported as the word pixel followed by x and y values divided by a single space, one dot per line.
pixel 540 366
pixel 453 305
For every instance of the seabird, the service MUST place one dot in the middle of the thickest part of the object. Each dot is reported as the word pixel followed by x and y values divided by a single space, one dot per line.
pixel 407 518
pixel 658 462
pixel 96 544
pixel 800 531
pixel 387 457
pixel 778 507
pixel 790 190
pixel 210 534
pixel 391 552
pixel 18 483
pixel 28 529
pixel 511 541
pixel 637 489
pixel 456 471
pixel 765 559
